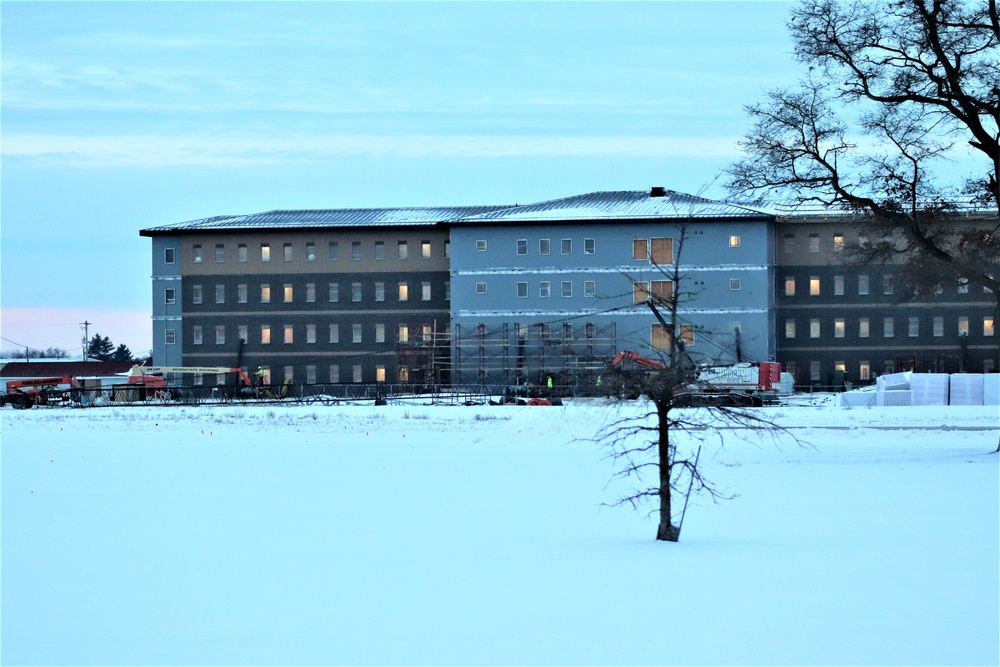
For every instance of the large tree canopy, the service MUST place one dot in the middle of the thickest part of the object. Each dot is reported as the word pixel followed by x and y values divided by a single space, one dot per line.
pixel 894 90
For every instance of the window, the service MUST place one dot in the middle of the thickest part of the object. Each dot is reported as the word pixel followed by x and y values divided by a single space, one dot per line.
pixel 169 337
pixel 334 333
pixel 544 289
pixel 544 246
pixel 265 334
pixel 522 290
pixel 265 293
pixel 356 292
pixel 838 242
pixel 356 251
pixel 169 296
pixel 447 290
pixel 425 291
pixel 813 285
pixel 447 249
pixel 913 327
pixel 311 257
pixel 288 293
pixel 814 329
pixel 567 288
pixel 840 366
pixel 589 288
pixel 241 253
pixel 334 373
pixel 662 290
pixel 640 249
pixel 838 285
pixel 839 327
pixel 220 253
pixel 265 252
pixel 567 331
pixel 789 286
pixel 789 328
pixel 404 291
pixel 963 286
pixel 481 245
pixel 241 293
pixel 402 374
pixel 379 332
pixel 380 373
pixel 196 294
pixel 286 251
pixel 888 327
pixel 938 324
pixel 311 374
pixel 196 254
pixel 963 326
pixel 380 291
pixel 589 246
pixel 658 337
pixel 814 371
pixel 814 243
pixel 425 250
pixel 566 246
pixel 333 251
pixel 220 335
pixel 220 293
pixel 379 250
pixel 310 333
pixel 402 250
pixel 404 333
pixel 289 334
pixel 862 285
pixel 480 288
pixel 864 371
pixel 735 284
pixel 863 328
pixel 289 373
pixel 333 292
pixel 640 292
pixel 241 333
pixel 310 292
pixel 734 241
pixel 356 372
pixel 168 255
pixel 355 333
pixel 789 243
pixel 522 246
pixel 887 285
pixel 196 335
pixel 661 250
pixel 988 329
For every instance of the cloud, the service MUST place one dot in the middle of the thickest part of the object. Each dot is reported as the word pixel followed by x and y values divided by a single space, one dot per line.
pixel 142 150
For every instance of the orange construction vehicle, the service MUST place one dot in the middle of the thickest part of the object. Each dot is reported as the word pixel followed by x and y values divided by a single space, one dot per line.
pixel 22 394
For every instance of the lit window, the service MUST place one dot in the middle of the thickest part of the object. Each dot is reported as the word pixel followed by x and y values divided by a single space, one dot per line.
pixel 265 252
pixel 196 294
pixel 425 250
pixel 544 289
pixel 734 241
pixel 265 293
pixel 522 290
pixel 864 371
pixel 813 286
pixel 402 250
pixel 481 245
pixel 988 329
pixel 404 333
pixel 735 284
pixel 839 328
pixel 289 334
pixel 241 293
pixel 403 374
pixel 288 293
pixel 838 242
pixel 334 333
pixel 286 250
pixel 522 246
pixel 311 255
pixel 404 292
pixel 963 326
pixel 169 296
pixel 789 286
pixel 196 335
pixel 566 246
pixel 265 334
pixel 544 246
pixel 480 288
pixel 168 255
pixel 567 288
pixel 589 288
pixel 220 252
pixel 380 373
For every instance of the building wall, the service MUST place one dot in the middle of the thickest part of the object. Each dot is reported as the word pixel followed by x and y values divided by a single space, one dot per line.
pixel 168 339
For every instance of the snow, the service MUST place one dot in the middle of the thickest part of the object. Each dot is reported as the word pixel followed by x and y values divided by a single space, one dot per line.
pixel 415 534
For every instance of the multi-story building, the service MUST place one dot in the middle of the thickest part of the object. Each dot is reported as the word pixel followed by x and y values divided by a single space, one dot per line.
pixel 561 285
pixel 841 322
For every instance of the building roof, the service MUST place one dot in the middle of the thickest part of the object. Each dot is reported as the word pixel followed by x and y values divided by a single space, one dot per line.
pixel 44 369
pixel 654 204
pixel 338 217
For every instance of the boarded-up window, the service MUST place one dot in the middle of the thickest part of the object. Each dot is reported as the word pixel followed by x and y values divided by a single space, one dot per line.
pixel 640 292
pixel 640 249
pixel 663 290
pixel 660 337
pixel 662 251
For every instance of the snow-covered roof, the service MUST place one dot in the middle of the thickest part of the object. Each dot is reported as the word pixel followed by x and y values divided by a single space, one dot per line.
pixel 655 204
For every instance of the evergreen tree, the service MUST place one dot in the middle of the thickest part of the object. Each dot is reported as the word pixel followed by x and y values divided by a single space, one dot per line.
pixel 100 348
pixel 122 353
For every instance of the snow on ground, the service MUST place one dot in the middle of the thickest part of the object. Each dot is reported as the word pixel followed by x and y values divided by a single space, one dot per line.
pixel 412 534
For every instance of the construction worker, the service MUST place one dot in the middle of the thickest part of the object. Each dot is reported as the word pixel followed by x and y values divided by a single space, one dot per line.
pixel 550 382
pixel 258 376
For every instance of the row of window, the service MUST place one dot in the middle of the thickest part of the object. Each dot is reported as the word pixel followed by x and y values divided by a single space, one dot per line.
pixel 863 286
pixel 288 251
pixel 287 292
pixel 405 333
pixel 403 374
pixel 864 327
pixel 863 369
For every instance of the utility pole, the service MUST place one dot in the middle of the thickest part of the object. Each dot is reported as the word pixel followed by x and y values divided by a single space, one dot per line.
pixel 86 337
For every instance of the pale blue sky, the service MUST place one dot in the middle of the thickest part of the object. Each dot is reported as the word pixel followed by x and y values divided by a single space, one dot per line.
pixel 120 116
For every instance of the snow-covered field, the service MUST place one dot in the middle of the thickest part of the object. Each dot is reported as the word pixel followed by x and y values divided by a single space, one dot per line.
pixel 413 534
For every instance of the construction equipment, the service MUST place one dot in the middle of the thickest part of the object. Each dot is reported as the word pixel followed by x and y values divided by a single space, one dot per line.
pixel 22 394
pixel 154 385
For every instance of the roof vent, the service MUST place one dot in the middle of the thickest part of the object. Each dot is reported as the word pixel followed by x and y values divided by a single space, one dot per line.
pixel 657 191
